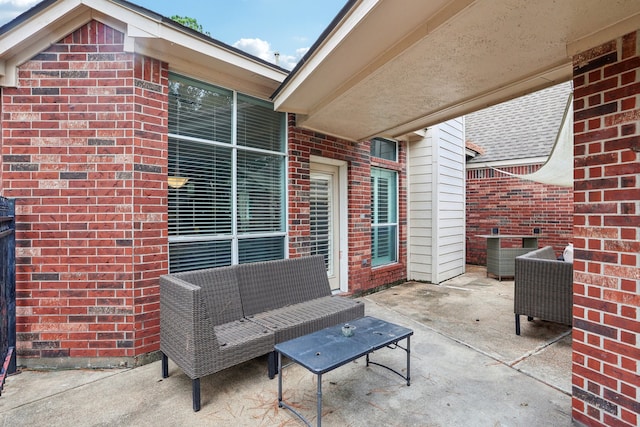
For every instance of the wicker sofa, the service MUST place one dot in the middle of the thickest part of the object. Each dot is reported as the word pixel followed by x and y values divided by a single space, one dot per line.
pixel 215 318
pixel 543 287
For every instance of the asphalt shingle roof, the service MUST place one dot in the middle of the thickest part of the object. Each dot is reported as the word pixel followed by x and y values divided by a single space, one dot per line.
pixel 522 128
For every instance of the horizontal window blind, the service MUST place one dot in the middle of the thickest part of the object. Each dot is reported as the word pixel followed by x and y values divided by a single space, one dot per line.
pixel 202 205
pixel 200 111
pixel 260 249
pixel 224 190
pixel 260 192
pixel 197 255
pixel 259 126
pixel 320 220
pixel 383 244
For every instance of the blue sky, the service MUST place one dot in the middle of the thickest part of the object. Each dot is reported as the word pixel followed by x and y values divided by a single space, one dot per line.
pixel 260 27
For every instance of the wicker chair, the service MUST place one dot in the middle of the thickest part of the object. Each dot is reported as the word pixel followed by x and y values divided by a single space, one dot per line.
pixel 543 287
pixel 202 328
pixel 216 318
pixel 293 297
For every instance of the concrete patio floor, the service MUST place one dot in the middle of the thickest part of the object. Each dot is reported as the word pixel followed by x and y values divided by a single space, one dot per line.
pixel 468 368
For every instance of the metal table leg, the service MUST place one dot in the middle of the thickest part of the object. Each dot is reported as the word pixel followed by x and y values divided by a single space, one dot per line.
pixel 394 345
pixel 283 404
pixel 279 380
pixel 319 422
pixel 408 360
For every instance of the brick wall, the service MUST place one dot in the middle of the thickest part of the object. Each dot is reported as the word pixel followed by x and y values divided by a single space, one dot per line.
pixel 150 195
pixel 84 152
pixel 515 206
pixel 606 345
pixel 303 144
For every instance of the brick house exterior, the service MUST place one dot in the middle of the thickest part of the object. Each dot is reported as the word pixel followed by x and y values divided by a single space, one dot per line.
pixel 517 207
pixel 606 228
pixel 516 137
pixel 303 144
pixel 84 152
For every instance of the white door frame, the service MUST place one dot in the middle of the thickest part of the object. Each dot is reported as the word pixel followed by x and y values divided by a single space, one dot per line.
pixel 343 217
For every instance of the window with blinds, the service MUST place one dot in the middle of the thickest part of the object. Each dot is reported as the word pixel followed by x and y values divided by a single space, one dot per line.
pixel 260 196
pixel 200 111
pixel 202 205
pixel 226 177
pixel 258 125
pixel 260 249
pixel 384 217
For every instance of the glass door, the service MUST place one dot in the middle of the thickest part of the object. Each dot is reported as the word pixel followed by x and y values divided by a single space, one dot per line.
pixel 325 227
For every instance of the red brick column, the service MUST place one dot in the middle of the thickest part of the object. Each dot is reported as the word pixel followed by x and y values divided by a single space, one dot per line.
pixel 606 344
pixel 84 150
pixel 150 217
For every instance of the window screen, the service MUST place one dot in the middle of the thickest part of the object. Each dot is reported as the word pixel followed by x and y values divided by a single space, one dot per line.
pixel 202 205
pixel 195 255
pixel 260 249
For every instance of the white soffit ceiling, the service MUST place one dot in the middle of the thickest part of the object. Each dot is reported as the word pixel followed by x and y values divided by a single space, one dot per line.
pixel 390 67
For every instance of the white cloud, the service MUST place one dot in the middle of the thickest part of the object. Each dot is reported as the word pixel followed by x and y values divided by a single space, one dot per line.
pixel 262 49
pixel 256 47
pixel 290 61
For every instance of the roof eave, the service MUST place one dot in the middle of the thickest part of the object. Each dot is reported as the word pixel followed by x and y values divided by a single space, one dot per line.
pixel 146 33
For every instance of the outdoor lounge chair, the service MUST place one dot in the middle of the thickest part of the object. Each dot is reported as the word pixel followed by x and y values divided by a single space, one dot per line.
pixel 215 318
pixel 543 287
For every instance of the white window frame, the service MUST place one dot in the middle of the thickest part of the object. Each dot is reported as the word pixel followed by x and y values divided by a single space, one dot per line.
pixel 235 237
pixel 396 174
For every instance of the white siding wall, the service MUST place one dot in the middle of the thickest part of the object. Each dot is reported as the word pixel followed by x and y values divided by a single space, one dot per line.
pixel 449 185
pixel 420 238
pixel 437 204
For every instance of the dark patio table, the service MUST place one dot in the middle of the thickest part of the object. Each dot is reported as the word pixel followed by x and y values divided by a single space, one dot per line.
pixel 327 349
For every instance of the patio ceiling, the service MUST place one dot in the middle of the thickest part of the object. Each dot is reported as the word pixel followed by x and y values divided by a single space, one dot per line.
pixel 387 68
